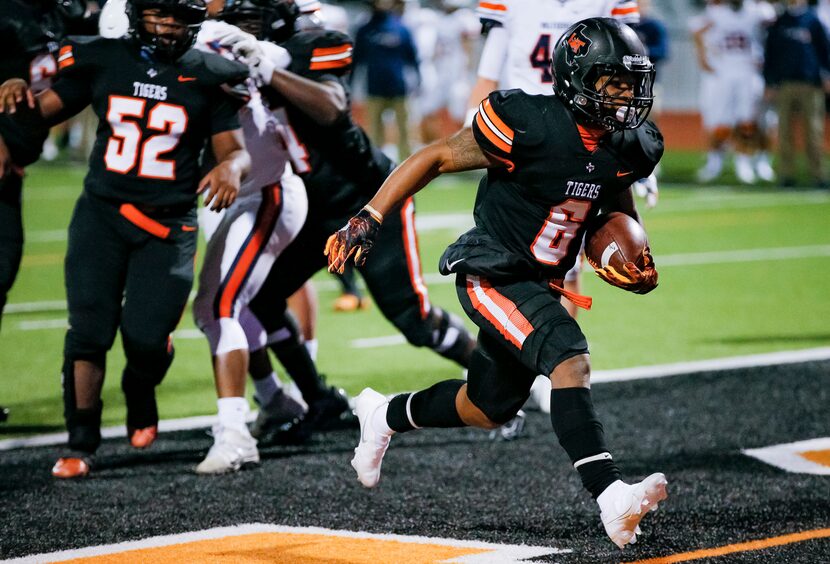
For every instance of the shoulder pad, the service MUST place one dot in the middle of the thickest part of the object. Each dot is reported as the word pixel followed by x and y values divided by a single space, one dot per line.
pixel 642 148
pixel 82 51
pixel 320 51
pixel 523 111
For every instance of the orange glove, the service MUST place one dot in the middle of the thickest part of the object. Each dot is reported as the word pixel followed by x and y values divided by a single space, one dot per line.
pixel 355 238
pixel 633 279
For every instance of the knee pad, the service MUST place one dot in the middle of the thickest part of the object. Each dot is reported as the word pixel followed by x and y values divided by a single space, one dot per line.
pixel 450 338
pixel 225 335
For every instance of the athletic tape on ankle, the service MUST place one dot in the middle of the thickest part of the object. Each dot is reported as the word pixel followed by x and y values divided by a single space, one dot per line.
pixel 409 411
pixel 601 456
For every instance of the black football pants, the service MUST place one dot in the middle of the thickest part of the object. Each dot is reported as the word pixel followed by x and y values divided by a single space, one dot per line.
pixel 397 290
pixel 119 275
pixel 11 233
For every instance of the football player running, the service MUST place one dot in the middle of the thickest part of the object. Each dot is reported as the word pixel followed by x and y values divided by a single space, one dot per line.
pixel 517 53
pixel 132 239
pixel 341 169
pixel 553 163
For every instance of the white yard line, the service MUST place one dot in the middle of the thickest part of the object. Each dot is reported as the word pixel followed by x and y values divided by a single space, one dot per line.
pixel 598 377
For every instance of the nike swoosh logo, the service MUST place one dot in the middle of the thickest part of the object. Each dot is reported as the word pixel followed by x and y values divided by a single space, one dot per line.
pixel 186 78
pixel 448 265
pixel 621 173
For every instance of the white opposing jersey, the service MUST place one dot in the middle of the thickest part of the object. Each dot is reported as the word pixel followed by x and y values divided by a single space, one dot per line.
pixel 533 26
pixel 262 128
pixel 733 39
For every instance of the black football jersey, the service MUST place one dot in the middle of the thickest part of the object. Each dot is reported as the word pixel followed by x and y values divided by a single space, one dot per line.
pixel 531 215
pixel 341 167
pixel 29 39
pixel 154 118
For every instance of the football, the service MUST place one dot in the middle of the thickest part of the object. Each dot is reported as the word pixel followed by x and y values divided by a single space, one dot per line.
pixel 614 239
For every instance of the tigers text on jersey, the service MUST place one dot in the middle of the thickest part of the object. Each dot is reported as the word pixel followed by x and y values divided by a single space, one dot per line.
pixel 531 215
pixel 533 26
pixel 154 117
pixel 734 38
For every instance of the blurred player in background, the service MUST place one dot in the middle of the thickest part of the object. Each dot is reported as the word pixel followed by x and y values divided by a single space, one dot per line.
pixel 30 35
pixel 535 149
pixel 444 37
pixel 132 239
pixel 385 51
pixel 728 38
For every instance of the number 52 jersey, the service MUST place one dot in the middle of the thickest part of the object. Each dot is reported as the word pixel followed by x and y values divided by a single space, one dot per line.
pixel 154 118
pixel 531 214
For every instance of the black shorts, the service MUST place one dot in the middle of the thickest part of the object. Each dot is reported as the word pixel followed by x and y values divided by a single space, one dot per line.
pixel 524 331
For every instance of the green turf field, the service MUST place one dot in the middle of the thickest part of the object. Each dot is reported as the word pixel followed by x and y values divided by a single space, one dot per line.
pixel 742 271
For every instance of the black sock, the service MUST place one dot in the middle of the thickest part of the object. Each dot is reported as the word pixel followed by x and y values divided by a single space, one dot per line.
pixel 433 407
pixel 294 357
pixel 581 435
pixel 452 340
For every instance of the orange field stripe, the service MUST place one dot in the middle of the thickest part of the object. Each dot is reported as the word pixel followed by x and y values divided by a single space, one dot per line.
pixel 740 547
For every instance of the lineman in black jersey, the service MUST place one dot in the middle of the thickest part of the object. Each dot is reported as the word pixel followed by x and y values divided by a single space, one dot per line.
pixel 553 162
pixel 132 238
pixel 341 169
pixel 30 33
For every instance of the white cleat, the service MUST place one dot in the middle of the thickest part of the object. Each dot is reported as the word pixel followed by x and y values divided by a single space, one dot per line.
pixel 232 450
pixel 368 456
pixel 744 170
pixel 764 170
pixel 622 507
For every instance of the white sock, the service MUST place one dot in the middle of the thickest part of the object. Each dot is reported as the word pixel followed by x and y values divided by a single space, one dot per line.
pixel 232 413
pixel 311 346
pixel 266 388
pixel 379 423
pixel 714 159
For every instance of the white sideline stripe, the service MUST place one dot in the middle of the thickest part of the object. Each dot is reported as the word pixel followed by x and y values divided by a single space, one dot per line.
pixel 374 342
pixel 500 552
pixel 598 377
pixel 35 307
pixel 717 364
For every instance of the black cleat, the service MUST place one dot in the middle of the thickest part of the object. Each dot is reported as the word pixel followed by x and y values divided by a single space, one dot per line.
pixel 331 412
pixel 4 413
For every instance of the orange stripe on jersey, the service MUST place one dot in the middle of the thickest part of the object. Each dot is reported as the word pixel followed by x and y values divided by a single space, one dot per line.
pixel 323 51
pixel 413 256
pixel 491 137
pixel 246 259
pixel 491 114
pixel 498 310
pixel 66 63
pixel 489 6
pixel 65 49
pixel 339 64
pixel 151 226
pixel 625 11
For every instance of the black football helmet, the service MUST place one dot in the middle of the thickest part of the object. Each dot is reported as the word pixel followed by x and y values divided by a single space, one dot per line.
pixel 592 60
pixel 190 13
pixel 272 20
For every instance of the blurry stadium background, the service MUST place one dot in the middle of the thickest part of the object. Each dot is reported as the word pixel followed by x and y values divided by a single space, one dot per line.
pixel 743 271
